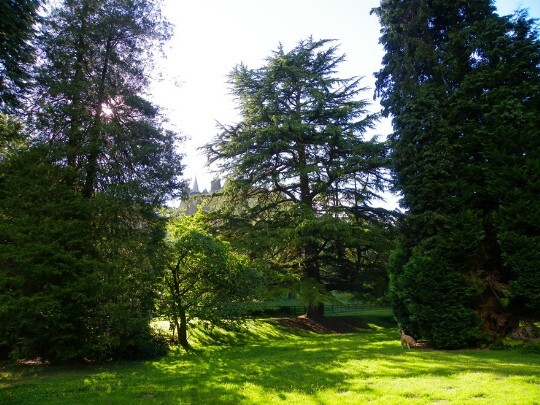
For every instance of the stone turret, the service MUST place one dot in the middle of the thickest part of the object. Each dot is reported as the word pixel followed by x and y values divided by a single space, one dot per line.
pixel 215 185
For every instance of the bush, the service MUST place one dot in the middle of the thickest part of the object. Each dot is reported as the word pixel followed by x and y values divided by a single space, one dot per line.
pixel 509 343
pixel 431 301
pixel 148 346
pixel 74 281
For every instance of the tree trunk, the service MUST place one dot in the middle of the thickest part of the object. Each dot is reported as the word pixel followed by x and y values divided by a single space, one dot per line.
pixel 92 166
pixel 74 137
pixel 315 310
pixel 182 330
pixel 497 319
pixel 176 327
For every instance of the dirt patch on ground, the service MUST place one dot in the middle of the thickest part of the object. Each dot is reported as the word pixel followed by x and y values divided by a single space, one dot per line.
pixel 343 324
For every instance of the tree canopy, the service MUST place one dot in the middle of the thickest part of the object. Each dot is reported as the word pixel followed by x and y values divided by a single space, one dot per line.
pixel 462 86
pixel 16 51
pixel 299 169
pixel 90 89
pixel 204 279
pixel 80 231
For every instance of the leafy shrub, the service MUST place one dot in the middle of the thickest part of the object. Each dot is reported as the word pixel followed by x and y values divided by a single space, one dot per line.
pixel 509 343
pixel 431 301
pixel 148 346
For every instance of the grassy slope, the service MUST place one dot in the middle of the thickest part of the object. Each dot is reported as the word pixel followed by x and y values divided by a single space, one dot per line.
pixel 271 365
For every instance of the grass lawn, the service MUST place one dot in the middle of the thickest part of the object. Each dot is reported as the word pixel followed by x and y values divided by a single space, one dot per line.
pixel 272 365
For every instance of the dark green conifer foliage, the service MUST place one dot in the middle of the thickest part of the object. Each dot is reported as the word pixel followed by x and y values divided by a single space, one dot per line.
pixel 97 60
pixel 77 280
pixel 12 138
pixel 17 21
pixel 80 231
pixel 462 85
pixel 300 173
pixel 43 249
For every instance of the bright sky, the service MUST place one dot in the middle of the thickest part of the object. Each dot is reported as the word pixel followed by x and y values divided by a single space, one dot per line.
pixel 213 36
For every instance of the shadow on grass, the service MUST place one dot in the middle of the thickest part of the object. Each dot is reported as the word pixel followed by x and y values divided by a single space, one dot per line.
pixel 307 363
pixel 267 364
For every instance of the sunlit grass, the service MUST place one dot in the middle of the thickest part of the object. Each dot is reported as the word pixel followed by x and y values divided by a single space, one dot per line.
pixel 268 364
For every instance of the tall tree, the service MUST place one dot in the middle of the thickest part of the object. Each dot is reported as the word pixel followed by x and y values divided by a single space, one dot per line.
pixel 79 258
pixel 297 163
pixel 97 60
pixel 462 85
pixel 16 51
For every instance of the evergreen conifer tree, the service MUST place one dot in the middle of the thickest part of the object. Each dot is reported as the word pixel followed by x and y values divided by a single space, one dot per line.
pixel 462 85
pixel 80 230
pixel 300 174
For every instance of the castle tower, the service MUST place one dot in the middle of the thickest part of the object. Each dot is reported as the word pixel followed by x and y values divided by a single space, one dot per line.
pixel 215 185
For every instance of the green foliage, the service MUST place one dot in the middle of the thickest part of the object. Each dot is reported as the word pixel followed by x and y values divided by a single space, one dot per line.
pixel 42 243
pixel 512 344
pixel 463 87
pixel 80 235
pixel 520 244
pixel 16 50
pixel 436 299
pixel 97 58
pixel 204 278
pixel 12 137
pixel 301 176
pixel 70 290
